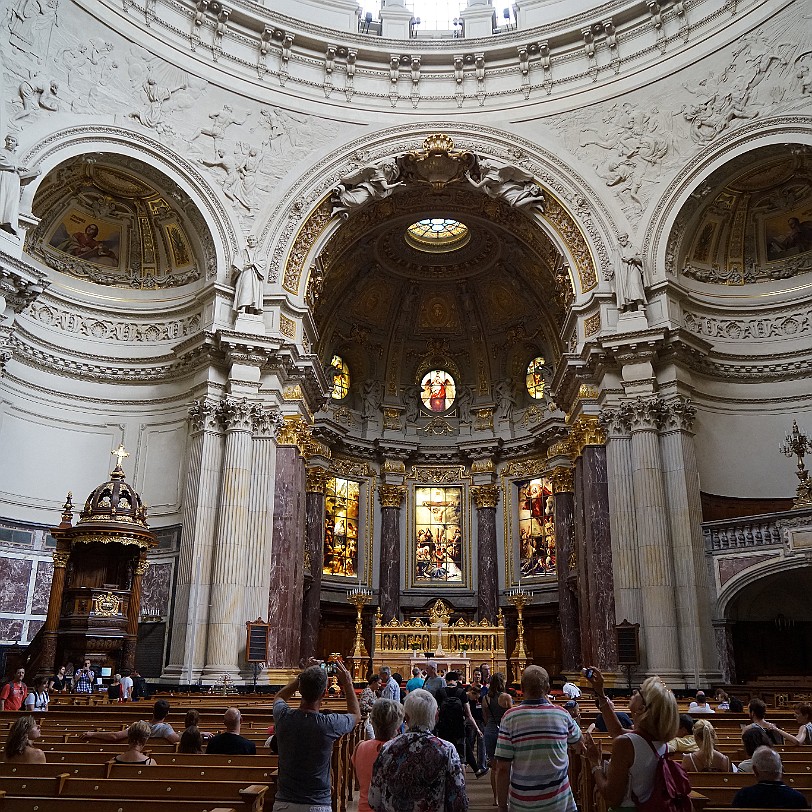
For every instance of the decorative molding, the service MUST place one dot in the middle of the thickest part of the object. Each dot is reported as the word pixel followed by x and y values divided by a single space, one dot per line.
pixel 483 419
pixel 294 431
pixel 485 496
pixel 304 241
pixel 203 415
pixel 394 466
pixel 316 479
pixel 350 468
pixel 235 414
pixel 532 467
pixel 794 324
pixel 485 466
pixel 287 326
pixel 563 480
pixel 592 325
pixel 445 475
pixel 266 421
pixel 391 496
pixel 585 431
pixel 60 559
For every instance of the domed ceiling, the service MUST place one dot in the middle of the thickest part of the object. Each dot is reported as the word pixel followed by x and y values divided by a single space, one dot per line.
pixel 750 221
pixel 394 309
pixel 116 221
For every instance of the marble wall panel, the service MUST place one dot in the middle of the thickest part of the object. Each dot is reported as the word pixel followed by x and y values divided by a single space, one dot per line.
pixel 42 587
pixel 33 627
pixel 156 586
pixel 11 630
pixel 15 574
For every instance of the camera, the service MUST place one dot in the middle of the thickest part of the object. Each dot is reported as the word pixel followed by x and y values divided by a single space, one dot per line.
pixel 588 672
pixel 329 668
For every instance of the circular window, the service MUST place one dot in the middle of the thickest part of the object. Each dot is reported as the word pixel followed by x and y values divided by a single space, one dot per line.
pixel 534 379
pixel 438 391
pixel 341 378
pixel 437 235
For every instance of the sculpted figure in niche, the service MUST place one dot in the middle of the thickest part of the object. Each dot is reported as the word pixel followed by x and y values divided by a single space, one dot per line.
pixel 371 397
pixel 509 183
pixel 465 397
pixel 505 399
pixel 12 176
pixel 373 182
pixel 630 292
pixel 248 290
pixel 411 400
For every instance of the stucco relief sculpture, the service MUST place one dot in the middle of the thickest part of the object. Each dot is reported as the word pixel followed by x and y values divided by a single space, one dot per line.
pixel 37 93
pixel 368 183
pixel 509 183
pixel 411 400
pixel 30 25
pixel 248 289
pixel 220 122
pixel 630 293
pixel 12 176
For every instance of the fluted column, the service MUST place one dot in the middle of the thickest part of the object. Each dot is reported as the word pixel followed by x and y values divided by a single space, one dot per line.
pixel 134 612
pixel 486 498
pixel 314 558
pixel 287 554
pixel 265 423
pixel 563 480
pixel 391 498
pixel 625 557
pixel 660 631
pixel 200 505
pixel 227 613
pixel 699 658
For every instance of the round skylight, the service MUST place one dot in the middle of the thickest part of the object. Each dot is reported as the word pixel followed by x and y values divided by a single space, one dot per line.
pixel 437 234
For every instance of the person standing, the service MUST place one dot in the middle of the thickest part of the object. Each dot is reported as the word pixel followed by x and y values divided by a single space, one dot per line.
pixel 13 693
pixel 84 679
pixel 385 718
pixel 433 681
pixel 37 700
pixel 389 688
pixel 305 737
pixel 126 687
pixel 416 681
pixel 531 752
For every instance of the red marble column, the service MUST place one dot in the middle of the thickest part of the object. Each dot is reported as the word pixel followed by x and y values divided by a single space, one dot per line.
pixel 134 613
pixel 563 489
pixel 314 559
pixel 486 498
pixel 287 555
pixel 391 498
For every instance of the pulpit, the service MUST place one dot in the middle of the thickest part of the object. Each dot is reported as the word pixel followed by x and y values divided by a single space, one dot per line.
pixel 95 597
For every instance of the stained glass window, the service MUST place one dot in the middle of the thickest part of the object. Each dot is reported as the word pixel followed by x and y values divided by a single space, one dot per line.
pixel 341 378
pixel 535 378
pixel 341 528
pixel 438 535
pixel 437 390
pixel 536 528
pixel 439 234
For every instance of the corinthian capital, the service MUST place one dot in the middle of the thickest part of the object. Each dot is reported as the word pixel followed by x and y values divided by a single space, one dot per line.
pixel 266 421
pixel 485 496
pixel 203 415
pixel 679 414
pixel 316 480
pixel 616 421
pixel 294 431
pixel 563 480
pixel 647 414
pixel 235 415
pixel 391 495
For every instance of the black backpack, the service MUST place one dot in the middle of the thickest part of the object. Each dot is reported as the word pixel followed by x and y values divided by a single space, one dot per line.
pixel 451 719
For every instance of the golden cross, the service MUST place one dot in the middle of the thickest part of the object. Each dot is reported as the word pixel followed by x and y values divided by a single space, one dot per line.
pixel 120 454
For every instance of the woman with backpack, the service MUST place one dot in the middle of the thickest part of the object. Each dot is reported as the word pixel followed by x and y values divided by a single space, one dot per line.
pixel 640 775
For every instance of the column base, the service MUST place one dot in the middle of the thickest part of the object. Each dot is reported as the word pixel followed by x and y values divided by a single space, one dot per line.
pixel 178 675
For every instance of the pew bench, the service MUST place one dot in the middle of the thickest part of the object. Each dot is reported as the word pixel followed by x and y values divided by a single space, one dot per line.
pixel 50 804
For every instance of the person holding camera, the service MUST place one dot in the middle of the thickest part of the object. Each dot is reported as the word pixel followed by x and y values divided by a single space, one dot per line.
pixel 84 679
pixel 304 738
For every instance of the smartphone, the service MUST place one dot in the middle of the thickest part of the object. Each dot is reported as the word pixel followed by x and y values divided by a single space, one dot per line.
pixel 588 672
pixel 330 668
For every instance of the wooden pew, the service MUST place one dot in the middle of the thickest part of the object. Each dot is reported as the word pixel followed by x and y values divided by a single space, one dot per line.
pixel 50 804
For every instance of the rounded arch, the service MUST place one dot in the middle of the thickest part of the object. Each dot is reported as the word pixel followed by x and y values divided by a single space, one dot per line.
pixel 71 142
pixel 577 221
pixel 755 134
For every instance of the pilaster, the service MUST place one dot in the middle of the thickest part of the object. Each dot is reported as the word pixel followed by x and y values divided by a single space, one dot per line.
pixel 486 497
pixel 391 499
pixel 316 481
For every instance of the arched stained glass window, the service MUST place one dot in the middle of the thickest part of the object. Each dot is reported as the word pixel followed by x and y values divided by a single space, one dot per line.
pixel 341 527
pixel 438 391
pixel 536 528
pixel 534 379
pixel 341 378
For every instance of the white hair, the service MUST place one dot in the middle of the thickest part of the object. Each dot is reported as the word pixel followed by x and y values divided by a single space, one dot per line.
pixel 420 708
pixel 767 762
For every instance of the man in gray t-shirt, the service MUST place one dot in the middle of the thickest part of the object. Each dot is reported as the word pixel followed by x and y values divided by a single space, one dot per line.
pixel 305 737
pixel 433 682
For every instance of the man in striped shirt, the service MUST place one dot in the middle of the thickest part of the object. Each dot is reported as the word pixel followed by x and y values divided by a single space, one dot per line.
pixel 531 752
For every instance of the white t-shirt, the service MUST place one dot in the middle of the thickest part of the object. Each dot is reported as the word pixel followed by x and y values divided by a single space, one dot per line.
pixel 37 702
pixel 694 708
pixel 126 687
pixel 571 690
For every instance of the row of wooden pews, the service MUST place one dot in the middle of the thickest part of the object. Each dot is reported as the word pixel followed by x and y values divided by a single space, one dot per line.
pixel 82 776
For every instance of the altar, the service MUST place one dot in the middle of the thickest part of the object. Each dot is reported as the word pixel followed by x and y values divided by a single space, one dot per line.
pixel 454 645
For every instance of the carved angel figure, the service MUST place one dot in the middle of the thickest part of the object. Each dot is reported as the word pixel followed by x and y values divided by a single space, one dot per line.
pixel 509 183
pixel 373 182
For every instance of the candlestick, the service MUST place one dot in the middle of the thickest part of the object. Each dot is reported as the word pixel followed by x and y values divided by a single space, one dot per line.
pixel 359 597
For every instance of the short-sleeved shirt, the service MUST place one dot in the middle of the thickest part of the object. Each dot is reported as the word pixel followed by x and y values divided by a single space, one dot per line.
pixel 13 694
pixel 391 690
pixel 534 736
pixel 231 744
pixel 770 794
pixel 305 741
pixel 126 688
pixel 363 758
pixel 414 683
pixel 161 730
pixel 418 772
pixel 433 684
pixel 37 701
pixel 84 681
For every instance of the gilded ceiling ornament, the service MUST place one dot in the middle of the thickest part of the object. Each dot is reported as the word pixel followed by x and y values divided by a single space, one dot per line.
pixel 437 164
pixel 484 419
pixel 303 242
pixel 350 468
pixel 394 466
pixel 483 466
pixel 450 475
pixel 391 495
pixel 592 325
pixel 485 496
pixel 563 480
pixel 525 468
pixel 437 427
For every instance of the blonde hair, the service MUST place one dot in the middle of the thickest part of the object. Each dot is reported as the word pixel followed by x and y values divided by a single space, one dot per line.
pixel 660 715
pixel 18 736
pixel 705 737
pixel 139 732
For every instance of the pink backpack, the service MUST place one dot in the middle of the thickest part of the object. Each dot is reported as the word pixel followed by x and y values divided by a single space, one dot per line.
pixel 671 789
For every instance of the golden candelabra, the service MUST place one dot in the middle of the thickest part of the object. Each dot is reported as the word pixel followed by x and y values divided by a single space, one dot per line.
pixel 359 598
pixel 797 444
pixel 519 598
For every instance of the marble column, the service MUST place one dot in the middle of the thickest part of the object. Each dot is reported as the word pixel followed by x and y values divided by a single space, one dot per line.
pixel 226 642
pixel 660 630
pixel 134 612
pixel 486 498
pixel 692 587
pixel 201 499
pixel 564 500
pixel 391 498
pixel 723 634
pixel 314 559
pixel 287 554
pixel 625 557
pixel 598 549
